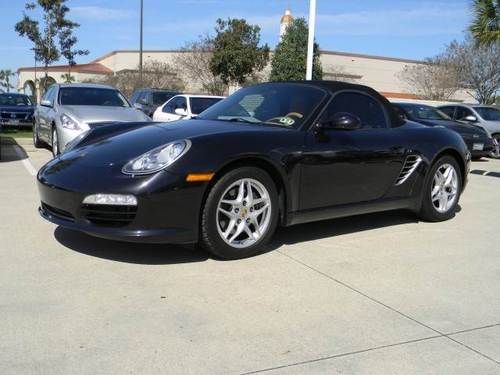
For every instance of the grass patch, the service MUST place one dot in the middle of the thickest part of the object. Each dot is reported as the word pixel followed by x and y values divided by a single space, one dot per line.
pixel 16 133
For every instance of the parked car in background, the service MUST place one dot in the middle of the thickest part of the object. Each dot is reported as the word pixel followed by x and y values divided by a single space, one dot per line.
pixel 485 116
pixel 67 110
pixel 147 100
pixel 184 107
pixel 16 110
pixel 478 140
pixel 279 153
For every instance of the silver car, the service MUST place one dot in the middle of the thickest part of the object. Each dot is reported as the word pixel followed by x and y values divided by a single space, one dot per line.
pixel 68 110
pixel 487 117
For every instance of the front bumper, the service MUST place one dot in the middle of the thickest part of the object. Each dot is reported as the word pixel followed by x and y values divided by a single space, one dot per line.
pixel 16 123
pixel 167 210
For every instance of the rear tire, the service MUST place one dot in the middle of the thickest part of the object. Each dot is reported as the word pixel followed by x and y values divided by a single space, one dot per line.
pixel 442 190
pixel 230 209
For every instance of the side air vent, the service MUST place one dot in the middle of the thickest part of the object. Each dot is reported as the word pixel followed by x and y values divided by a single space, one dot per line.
pixel 411 163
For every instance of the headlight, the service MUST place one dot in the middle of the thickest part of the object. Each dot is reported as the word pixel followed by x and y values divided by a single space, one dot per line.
pixel 74 142
pixel 158 158
pixel 68 123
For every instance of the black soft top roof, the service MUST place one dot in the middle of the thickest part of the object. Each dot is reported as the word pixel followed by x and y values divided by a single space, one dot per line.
pixel 335 86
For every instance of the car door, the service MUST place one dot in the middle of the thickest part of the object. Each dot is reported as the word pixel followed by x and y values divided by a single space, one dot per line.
pixel 44 114
pixel 350 166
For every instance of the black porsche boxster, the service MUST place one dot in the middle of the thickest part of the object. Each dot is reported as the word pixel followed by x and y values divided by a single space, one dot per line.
pixel 268 155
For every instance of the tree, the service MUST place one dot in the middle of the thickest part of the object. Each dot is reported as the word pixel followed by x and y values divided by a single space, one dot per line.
pixel 477 68
pixel 290 57
pixel 67 77
pixel 236 51
pixel 156 74
pixel 435 79
pixel 67 42
pixel 194 63
pixel 44 37
pixel 486 23
pixel 5 79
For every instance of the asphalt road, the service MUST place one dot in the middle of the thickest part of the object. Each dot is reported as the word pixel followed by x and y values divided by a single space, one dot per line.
pixel 374 294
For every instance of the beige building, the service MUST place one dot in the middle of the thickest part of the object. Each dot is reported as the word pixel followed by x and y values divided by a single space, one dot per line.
pixel 381 73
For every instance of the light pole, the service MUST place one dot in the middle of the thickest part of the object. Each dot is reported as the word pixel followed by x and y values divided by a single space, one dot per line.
pixel 140 46
pixel 310 39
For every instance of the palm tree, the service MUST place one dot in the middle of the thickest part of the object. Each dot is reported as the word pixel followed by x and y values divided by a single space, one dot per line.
pixel 5 75
pixel 486 24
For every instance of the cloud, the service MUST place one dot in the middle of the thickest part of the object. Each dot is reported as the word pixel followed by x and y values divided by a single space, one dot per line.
pixel 102 14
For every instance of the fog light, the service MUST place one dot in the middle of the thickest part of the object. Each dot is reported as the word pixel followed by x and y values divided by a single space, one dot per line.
pixel 111 199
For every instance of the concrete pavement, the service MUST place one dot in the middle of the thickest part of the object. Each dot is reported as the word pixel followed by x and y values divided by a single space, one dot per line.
pixel 374 294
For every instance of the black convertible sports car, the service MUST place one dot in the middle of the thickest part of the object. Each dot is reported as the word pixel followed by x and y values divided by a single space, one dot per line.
pixel 479 142
pixel 271 154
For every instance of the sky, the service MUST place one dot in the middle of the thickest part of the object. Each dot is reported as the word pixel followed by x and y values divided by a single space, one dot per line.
pixel 412 29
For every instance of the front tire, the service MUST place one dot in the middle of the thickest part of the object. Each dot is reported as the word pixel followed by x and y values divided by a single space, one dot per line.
pixel 495 154
pixel 240 214
pixel 442 190
pixel 55 142
pixel 36 140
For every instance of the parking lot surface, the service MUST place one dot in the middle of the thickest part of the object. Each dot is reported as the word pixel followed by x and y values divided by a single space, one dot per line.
pixel 373 294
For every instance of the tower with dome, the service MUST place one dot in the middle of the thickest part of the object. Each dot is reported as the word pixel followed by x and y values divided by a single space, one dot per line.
pixel 286 20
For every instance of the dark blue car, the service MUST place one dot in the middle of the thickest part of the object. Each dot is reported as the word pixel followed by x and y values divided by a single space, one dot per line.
pixel 16 110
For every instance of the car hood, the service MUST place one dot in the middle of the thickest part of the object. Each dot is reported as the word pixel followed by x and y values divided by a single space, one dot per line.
pixel 455 126
pixel 16 108
pixel 120 148
pixel 95 114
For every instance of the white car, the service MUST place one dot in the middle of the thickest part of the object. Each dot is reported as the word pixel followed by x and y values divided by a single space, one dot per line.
pixel 184 107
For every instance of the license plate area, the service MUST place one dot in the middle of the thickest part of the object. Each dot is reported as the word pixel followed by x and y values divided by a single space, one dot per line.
pixel 478 147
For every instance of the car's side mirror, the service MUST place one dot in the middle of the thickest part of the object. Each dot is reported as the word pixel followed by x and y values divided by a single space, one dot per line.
pixel 46 103
pixel 342 121
pixel 180 112
pixel 470 118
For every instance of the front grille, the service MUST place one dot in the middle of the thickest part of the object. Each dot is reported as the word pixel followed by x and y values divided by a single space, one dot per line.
pixel 411 163
pixel 57 212
pixel 15 115
pixel 109 215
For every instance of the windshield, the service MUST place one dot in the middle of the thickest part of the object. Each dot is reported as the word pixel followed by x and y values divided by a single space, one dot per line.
pixel 160 97
pixel 284 104
pixel 488 113
pixel 91 96
pixel 425 112
pixel 198 105
pixel 14 100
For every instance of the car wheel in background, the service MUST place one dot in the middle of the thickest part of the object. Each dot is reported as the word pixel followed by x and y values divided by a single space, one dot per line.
pixel 442 190
pixel 240 214
pixel 36 140
pixel 495 154
pixel 55 142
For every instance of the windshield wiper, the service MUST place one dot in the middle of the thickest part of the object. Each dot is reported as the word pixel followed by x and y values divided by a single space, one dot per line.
pixel 241 119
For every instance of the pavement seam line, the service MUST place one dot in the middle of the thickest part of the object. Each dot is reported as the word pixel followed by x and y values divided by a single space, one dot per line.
pixel 26 162
pixel 343 354
pixel 387 306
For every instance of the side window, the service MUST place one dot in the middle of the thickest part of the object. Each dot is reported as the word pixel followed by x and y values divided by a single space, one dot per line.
pixel 462 113
pixel 135 97
pixel 181 103
pixel 450 111
pixel 173 104
pixel 49 95
pixel 369 111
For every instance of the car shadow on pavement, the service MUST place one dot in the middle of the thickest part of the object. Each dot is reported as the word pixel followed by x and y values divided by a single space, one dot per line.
pixel 336 227
pixel 10 150
pixel 128 252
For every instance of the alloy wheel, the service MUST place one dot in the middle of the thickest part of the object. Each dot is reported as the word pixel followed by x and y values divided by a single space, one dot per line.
pixel 444 190
pixel 243 213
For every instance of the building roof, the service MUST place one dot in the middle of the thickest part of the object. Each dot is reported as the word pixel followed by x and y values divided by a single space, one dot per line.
pixel 91 68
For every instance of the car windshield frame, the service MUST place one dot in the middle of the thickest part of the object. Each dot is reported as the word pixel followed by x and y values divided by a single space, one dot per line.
pixel 27 100
pixel 119 95
pixel 217 111
pixel 413 108
pixel 482 110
